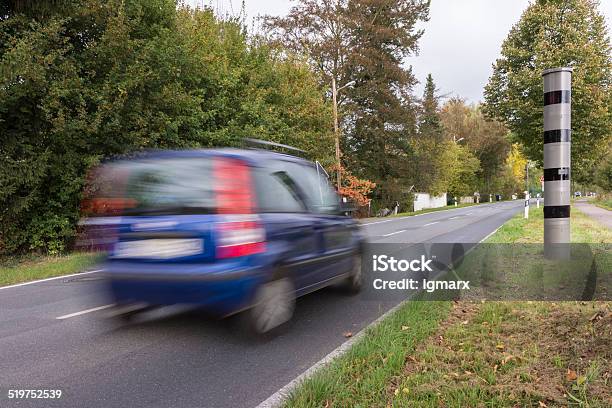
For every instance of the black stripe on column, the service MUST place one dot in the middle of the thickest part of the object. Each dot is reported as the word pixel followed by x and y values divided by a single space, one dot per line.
pixel 553 97
pixel 557 136
pixel 556 211
pixel 556 174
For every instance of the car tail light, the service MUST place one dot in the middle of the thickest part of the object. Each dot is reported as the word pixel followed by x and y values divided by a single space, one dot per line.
pixel 240 238
pixel 233 187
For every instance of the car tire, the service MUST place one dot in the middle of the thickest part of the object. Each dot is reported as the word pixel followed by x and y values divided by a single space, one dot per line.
pixel 354 282
pixel 272 309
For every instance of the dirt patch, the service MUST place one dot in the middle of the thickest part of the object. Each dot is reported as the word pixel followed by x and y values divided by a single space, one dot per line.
pixel 513 354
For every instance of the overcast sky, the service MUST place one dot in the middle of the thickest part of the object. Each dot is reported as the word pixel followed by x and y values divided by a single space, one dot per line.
pixel 462 38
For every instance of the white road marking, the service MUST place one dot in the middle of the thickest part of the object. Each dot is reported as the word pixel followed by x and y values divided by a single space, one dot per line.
pixel 431 223
pixel 489 235
pixel 393 233
pixel 49 279
pixel 391 219
pixel 82 312
pixel 418 215
pixel 454 218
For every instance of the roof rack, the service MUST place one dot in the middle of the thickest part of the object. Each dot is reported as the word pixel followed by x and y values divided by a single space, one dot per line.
pixel 264 144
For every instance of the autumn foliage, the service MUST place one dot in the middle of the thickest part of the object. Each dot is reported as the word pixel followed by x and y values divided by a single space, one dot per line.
pixel 353 188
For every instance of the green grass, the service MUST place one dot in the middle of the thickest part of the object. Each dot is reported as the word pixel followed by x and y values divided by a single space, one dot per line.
pixel 23 269
pixel 606 204
pixel 531 230
pixel 361 376
pixel 508 354
pixel 459 354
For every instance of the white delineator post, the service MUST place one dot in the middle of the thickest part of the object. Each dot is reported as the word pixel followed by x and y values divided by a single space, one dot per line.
pixel 526 204
pixel 557 148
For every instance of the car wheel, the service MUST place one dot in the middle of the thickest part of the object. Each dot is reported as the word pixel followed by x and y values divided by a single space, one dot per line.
pixel 354 282
pixel 273 306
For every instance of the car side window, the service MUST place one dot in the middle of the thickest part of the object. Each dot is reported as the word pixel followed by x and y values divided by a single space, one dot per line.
pixel 276 191
pixel 320 197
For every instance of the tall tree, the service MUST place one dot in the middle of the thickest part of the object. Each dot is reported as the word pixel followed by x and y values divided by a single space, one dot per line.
pixel 554 33
pixel 382 109
pixel 365 41
pixel 431 161
pixel 318 31
pixel 429 119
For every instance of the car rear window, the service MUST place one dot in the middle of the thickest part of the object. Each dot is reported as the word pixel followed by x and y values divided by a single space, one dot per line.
pixel 153 187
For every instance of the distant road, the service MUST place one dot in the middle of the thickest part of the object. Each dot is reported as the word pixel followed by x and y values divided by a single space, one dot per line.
pixel 181 359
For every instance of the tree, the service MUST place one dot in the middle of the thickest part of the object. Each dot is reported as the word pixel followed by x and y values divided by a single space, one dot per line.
pixel 430 126
pixel 365 42
pixel 464 172
pixel 433 163
pixel 382 110
pixel 318 31
pixel 488 140
pixel 554 33
pixel 91 80
pixel 603 175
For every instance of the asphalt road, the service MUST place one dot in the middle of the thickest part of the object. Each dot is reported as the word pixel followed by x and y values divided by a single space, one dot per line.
pixel 178 358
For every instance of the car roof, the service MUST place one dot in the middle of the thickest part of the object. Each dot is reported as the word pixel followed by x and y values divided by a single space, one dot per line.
pixel 252 156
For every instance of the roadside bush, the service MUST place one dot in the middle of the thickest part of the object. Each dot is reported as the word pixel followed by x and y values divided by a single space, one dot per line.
pixel 84 80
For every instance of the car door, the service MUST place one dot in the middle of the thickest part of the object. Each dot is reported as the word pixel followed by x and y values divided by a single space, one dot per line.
pixel 338 232
pixel 290 228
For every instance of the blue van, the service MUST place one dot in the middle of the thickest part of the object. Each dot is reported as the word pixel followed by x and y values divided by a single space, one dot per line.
pixel 229 230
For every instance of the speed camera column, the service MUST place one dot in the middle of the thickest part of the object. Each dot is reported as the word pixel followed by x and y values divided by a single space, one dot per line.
pixel 557 148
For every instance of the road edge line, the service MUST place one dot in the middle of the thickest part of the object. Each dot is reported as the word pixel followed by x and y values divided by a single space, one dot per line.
pixel 280 396
pixel 49 279
pixel 490 234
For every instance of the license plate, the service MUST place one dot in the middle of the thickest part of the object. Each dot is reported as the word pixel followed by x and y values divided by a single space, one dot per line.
pixel 158 248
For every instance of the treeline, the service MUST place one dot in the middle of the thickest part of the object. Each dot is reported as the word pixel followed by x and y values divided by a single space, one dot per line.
pixel 86 80
pixel 401 142
pixel 81 81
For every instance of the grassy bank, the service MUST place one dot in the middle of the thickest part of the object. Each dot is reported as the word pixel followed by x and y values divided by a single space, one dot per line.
pixel 361 376
pixel 520 230
pixel 23 269
pixel 603 201
pixel 507 354
pixel 458 354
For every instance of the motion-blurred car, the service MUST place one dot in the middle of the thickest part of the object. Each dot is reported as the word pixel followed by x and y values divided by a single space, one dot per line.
pixel 228 230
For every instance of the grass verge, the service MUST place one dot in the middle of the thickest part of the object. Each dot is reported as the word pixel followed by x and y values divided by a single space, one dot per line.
pixel 459 354
pixel 23 269
pixel 605 203
pixel 508 354
pixel 360 377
